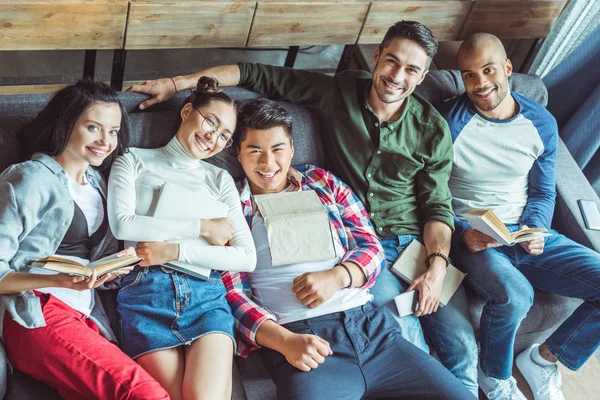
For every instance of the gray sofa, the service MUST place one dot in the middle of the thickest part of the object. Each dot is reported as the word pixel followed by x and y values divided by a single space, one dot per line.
pixel 154 127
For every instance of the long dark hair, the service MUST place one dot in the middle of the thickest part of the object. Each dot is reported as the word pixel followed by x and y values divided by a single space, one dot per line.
pixel 51 129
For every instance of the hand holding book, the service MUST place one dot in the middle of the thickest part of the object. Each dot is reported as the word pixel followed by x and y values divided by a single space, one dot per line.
pixel 115 264
pixel 534 247
pixel 488 223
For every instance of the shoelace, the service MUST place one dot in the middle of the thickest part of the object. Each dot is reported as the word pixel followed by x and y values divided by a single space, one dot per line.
pixel 506 389
pixel 553 383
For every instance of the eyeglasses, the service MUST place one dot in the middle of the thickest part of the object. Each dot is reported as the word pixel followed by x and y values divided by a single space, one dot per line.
pixel 209 125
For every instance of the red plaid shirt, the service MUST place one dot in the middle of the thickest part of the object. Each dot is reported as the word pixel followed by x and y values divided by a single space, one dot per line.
pixel 347 216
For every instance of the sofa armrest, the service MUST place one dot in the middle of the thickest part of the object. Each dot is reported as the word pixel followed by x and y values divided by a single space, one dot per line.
pixel 572 185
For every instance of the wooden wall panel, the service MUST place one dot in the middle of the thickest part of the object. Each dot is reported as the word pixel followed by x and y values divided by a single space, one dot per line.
pixel 513 19
pixel 58 25
pixel 445 18
pixel 188 25
pixel 297 23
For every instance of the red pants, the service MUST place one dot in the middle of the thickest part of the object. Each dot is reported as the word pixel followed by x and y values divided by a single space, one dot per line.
pixel 70 355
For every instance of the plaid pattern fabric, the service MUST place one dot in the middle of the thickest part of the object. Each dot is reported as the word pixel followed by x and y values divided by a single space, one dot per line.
pixel 347 216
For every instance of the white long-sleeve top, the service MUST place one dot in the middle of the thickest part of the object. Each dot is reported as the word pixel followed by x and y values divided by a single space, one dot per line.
pixel 134 185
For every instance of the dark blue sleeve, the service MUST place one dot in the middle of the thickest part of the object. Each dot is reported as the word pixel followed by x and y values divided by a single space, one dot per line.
pixel 542 177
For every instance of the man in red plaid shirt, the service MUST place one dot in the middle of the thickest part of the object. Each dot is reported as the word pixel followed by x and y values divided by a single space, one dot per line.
pixel 322 337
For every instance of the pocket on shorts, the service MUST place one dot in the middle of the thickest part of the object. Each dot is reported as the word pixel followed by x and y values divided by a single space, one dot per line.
pixel 131 280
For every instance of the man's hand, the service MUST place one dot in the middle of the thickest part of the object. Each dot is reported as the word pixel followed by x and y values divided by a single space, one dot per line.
pixel 315 288
pixel 305 352
pixel 534 247
pixel 477 241
pixel 216 231
pixel 429 285
pixel 79 283
pixel 157 253
pixel 160 90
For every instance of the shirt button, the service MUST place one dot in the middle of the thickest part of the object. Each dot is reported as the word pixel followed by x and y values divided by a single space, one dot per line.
pixel 376 124
pixel 378 151
pixel 380 229
pixel 371 194
pixel 372 214
pixel 369 175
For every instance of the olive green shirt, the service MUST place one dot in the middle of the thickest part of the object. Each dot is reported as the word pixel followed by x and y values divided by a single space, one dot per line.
pixel 403 179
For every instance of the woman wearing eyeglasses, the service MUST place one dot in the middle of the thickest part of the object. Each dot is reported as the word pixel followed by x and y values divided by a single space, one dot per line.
pixel 177 326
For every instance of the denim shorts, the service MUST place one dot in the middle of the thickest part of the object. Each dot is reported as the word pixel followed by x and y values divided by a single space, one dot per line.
pixel 162 309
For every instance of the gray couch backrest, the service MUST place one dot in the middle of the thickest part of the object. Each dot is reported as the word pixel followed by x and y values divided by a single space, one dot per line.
pixel 154 127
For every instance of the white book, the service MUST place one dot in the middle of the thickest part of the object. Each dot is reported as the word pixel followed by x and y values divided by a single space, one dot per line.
pixel 487 222
pixel 411 264
pixel 298 227
pixel 176 202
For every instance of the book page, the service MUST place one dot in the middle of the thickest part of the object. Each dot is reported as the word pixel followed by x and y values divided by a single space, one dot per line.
pixel 112 263
pixel 482 225
pixel 411 264
pixel 525 237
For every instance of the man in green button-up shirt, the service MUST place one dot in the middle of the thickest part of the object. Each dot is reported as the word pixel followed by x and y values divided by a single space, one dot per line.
pixel 395 151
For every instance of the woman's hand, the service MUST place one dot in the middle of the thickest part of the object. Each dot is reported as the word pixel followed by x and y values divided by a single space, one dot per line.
pixel 128 252
pixel 216 231
pixel 80 283
pixel 157 253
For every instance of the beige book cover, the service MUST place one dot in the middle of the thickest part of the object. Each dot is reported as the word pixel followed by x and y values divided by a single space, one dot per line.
pixel 411 264
pixel 298 227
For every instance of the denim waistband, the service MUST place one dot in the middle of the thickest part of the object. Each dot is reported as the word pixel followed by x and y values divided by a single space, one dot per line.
pixel 336 316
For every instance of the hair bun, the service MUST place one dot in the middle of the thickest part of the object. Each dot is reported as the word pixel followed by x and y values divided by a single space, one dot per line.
pixel 207 84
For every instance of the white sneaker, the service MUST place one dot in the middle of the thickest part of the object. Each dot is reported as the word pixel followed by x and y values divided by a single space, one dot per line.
pixel 545 382
pixel 499 389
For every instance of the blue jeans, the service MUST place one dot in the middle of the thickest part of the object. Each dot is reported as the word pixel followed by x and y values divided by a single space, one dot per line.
pixel 449 329
pixel 370 360
pixel 505 276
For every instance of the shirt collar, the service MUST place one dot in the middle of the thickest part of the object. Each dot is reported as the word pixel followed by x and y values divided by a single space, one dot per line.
pixel 294 177
pixel 57 169
pixel 389 124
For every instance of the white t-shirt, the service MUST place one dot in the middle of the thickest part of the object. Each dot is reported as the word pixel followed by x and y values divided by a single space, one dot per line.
pixel 89 200
pixel 272 286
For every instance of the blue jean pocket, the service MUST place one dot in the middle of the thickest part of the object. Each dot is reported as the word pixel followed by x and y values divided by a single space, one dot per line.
pixel 131 279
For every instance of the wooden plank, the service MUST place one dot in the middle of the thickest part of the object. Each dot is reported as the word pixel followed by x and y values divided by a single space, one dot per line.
pixel 444 18
pixel 188 25
pixel 50 88
pixel 513 19
pixel 32 89
pixel 89 25
pixel 297 23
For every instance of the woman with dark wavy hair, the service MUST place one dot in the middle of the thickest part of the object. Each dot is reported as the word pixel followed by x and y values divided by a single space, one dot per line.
pixel 54 329
pixel 176 325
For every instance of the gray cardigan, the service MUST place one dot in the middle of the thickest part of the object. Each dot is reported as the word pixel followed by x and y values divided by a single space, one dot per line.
pixel 36 211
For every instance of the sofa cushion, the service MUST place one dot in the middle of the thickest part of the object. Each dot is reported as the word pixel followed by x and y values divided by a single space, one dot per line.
pixel 9 145
pixel 441 85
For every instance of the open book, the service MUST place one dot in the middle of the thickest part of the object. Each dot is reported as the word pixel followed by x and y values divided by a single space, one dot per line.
pixel 411 264
pixel 487 222
pixel 176 202
pixel 298 227
pixel 102 266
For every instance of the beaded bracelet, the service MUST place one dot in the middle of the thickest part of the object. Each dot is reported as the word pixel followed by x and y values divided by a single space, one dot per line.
pixel 440 255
